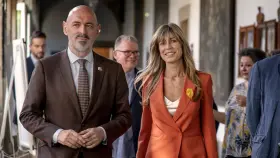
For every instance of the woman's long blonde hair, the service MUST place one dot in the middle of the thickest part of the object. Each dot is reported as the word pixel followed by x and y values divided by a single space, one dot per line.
pixel 149 76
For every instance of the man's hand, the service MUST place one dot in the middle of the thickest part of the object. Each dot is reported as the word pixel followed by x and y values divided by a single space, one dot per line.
pixel 92 136
pixel 71 139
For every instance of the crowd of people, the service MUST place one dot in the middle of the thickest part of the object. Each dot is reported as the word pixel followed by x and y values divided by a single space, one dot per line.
pixel 80 104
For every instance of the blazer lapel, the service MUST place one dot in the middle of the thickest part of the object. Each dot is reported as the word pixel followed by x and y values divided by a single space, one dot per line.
pixel 66 72
pixel 188 91
pixel 98 73
pixel 159 106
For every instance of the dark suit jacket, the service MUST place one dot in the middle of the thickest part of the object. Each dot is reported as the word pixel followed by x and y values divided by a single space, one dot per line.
pixel 136 110
pixel 52 94
pixel 30 67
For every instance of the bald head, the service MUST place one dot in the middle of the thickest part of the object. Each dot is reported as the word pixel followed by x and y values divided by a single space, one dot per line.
pixel 82 29
pixel 81 9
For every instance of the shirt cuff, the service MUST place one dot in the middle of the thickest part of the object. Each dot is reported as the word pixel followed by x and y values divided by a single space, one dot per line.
pixel 55 135
pixel 104 141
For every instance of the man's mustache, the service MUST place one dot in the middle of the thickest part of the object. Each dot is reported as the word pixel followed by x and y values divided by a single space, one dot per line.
pixel 83 36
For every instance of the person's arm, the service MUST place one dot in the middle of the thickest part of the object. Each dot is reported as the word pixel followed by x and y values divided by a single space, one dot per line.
pixel 207 121
pixel 31 115
pixel 121 116
pixel 219 116
pixel 253 108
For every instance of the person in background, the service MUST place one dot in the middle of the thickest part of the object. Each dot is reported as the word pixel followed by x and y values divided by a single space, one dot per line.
pixel 126 52
pixel 275 52
pixel 237 138
pixel 177 119
pixel 37 51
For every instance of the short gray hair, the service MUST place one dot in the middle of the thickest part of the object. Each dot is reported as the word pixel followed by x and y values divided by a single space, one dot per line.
pixel 124 38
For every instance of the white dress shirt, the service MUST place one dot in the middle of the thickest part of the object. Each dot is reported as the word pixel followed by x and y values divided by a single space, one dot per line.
pixel 34 59
pixel 75 66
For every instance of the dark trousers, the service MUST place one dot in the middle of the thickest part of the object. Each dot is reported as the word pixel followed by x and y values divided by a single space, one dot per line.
pixel 81 155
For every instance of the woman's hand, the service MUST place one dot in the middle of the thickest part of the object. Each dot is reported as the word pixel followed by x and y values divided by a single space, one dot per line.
pixel 241 100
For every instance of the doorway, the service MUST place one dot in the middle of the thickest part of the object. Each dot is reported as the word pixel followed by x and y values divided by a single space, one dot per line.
pixel 185 28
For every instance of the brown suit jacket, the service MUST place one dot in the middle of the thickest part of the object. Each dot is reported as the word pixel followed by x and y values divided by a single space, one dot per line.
pixel 51 103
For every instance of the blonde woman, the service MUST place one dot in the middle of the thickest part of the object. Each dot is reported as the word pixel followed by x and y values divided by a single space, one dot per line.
pixel 177 119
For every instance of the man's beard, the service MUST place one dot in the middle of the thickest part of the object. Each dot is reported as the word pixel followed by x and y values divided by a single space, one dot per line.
pixel 82 46
pixel 39 55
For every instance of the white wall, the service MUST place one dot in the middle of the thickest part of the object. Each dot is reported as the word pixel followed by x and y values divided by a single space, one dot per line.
pixel 246 12
pixel 194 22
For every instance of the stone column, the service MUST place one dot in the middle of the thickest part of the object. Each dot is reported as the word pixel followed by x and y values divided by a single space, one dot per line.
pixel 217 22
pixel 161 13
pixel 1 55
pixel 139 24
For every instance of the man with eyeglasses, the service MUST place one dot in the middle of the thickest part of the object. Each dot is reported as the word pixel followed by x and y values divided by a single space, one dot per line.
pixel 127 54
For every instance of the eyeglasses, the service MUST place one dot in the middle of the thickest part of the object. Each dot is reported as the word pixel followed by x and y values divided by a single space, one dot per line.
pixel 128 53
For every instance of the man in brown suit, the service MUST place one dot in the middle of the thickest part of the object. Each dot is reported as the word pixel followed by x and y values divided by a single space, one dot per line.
pixel 77 101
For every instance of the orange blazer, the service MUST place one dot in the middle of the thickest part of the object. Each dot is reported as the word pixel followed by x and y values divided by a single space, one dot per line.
pixel 190 133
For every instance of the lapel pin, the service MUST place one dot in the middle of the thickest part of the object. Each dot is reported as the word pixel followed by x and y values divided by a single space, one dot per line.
pixel 189 93
pixel 99 69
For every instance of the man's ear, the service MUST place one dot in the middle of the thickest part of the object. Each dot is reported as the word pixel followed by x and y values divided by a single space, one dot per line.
pixel 115 55
pixel 64 28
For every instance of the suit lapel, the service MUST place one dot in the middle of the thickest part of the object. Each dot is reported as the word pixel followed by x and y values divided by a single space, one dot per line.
pixel 133 96
pixel 185 100
pixel 134 91
pixel 30 67
pixel 188 91
pixel 159 106
pixel 98 73
pixel 30 63
pixel 66 73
